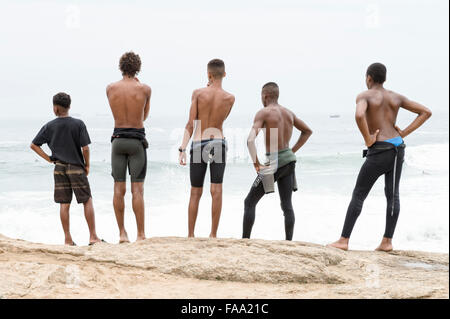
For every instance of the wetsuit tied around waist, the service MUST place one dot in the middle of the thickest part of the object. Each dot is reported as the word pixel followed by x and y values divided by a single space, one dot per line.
pixel 282 171
pixel 129 149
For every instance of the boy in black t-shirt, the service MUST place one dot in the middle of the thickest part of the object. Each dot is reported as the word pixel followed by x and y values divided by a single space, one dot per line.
pixel 69 141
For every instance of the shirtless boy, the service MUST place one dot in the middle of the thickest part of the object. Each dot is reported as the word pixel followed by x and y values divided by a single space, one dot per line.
pixel 209 109
pixel 376 115
pixel 130 105
pixel 278 123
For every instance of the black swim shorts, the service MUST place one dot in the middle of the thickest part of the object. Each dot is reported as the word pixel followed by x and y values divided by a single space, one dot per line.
pixel 212 151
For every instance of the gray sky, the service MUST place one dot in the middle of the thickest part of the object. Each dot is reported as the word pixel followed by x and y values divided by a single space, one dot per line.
pixel 316 50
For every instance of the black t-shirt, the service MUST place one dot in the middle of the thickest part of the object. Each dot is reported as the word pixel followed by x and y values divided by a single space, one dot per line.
pixel 65 136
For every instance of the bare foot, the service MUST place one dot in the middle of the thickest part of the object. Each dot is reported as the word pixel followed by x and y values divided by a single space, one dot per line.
pixel 96 242
pixel 140 237
pixel 124 238
pixel 69 241
pixel 386 245
pixel 212 236
pixel 342 244
pixel 191 236
pixel 93 240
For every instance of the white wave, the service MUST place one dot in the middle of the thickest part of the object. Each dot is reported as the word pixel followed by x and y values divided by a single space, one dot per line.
pixel 431 157
pixel 11 143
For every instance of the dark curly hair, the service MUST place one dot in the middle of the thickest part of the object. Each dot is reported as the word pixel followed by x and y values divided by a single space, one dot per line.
pixel 130 64
pixel 62 99
pixel 377 72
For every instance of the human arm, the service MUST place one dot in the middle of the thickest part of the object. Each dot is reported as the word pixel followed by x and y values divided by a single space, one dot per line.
pixel 147 102
pixel 423 114
pixel 361 121
pixel 258 124
pixel 86 155
pixel 189 129
pixel 305 134
pixel 40 139
pixel 39 151
pixel 232 100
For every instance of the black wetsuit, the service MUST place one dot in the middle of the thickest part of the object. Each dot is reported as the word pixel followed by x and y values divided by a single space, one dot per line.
pixel 386 159
pixel 285 178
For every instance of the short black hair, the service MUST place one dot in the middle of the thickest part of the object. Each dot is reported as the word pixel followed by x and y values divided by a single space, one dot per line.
pixel 62 99
pixel 216 67
pixel 377 72
pixel 130 64
pixel 272 90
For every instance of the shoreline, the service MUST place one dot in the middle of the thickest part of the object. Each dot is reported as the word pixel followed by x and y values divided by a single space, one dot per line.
pixel 172 267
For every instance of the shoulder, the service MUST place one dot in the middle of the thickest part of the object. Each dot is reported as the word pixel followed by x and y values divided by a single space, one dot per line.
pixel 78 122
pixel 286 110
pixel 396 96
pixel 364 95
pixel 262 113
pixel 197 92
pixel 369 95
pixel 146 88
pixel 45 127
pixel 229 97
pixel 111 86
pixel 50 123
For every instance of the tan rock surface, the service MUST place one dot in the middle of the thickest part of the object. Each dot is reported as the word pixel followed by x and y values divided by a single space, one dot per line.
pixel 222 268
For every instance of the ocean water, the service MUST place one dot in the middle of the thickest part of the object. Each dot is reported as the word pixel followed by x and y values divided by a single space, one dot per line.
pixel 326 170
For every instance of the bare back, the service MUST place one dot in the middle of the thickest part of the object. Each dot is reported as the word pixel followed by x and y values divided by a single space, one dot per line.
pixel 130 103
pixel 213 105
pixel 282 120
pixel 382 111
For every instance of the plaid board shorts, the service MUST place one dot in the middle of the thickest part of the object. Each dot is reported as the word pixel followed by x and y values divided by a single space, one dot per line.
pixel 71 179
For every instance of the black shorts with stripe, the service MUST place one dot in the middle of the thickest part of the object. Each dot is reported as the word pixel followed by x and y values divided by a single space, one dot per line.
pixel 71 179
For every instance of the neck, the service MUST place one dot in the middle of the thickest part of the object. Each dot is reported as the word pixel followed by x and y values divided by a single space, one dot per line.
pixel 127 77
pixel 63 115
pixel 272 103
pixel 377 86
pixel 216 83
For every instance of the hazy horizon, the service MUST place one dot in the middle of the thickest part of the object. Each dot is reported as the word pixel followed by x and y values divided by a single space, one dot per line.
pixel 317 51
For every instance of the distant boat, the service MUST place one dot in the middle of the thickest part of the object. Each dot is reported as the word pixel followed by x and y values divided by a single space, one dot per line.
pixel 335 116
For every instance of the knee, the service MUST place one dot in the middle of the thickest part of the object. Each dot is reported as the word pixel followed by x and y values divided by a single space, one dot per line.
pixel 287 208
pixel 119 191
pixel 358 199
pixel 196 192
pixel 216 192
pixel 137 192
pixel 359 196
pixel 248 203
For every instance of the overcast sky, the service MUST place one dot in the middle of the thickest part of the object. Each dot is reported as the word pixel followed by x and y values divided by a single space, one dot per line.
pixel 316 50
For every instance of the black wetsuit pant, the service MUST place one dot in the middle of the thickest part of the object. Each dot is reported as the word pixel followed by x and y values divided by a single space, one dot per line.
pixel 284 177
pixel 383 159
